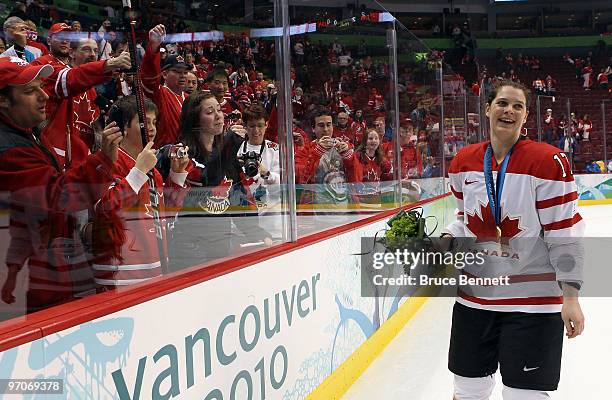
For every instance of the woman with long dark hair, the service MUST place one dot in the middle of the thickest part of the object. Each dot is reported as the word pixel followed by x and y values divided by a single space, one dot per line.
pixel 219 196
pixel 374 166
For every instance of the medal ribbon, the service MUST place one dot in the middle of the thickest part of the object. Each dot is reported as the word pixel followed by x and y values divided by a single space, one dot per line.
pixel 494 191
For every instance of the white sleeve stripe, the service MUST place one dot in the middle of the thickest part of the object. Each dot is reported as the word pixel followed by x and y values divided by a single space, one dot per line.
pixel 57 83
pixel 547 189
pixel 62 83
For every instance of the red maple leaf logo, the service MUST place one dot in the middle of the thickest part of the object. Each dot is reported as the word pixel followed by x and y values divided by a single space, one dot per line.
pixel 222 190
pixel 483 226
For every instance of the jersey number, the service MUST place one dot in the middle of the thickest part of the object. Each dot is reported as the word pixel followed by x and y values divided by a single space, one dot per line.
pixel 558 159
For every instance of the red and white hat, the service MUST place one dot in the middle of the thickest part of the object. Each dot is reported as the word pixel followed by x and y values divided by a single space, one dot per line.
pixel 16 72
pixel 59 27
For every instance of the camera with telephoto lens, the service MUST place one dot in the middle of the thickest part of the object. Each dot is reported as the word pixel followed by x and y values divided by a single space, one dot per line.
pixel 177 151
pixel 251 163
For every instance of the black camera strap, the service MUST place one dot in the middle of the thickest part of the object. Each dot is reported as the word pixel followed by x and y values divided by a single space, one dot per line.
pixel 261 149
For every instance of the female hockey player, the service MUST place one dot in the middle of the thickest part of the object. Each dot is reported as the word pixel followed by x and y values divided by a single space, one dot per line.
pixel 517 195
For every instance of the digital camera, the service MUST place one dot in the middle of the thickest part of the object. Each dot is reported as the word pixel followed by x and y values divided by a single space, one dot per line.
pixel 251 163
pixel 177 151
pixel 234 115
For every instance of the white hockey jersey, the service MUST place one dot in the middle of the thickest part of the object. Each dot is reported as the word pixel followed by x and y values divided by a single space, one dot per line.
pixel 541 227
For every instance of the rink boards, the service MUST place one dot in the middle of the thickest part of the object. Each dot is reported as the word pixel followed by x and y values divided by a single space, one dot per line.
pixel 273 328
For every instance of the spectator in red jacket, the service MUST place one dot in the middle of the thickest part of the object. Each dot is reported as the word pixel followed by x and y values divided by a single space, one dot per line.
pixel 374 166
pixel 41 194
pixel 218 84
pixel 411 161
pixel 170 96
pixel 585 126
pixel 327 163
pixel 374 169
pixel 342 129
pixel 549 126
pixel 602 78
pixel 358 126
pixel 376 102
pixel 85 109
pixel 64 85
pixel 475 89
pixel 126 248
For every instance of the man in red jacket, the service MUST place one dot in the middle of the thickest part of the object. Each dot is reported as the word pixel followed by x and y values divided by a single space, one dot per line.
pixel 169 96
pixel 342 129
pixel 328 163
pixel 86 111
pixel 62 86
pixel 40 194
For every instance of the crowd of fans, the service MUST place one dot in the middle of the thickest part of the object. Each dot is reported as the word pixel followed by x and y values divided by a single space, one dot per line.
pixel 77 175
pixel 585 73
pixel 568 133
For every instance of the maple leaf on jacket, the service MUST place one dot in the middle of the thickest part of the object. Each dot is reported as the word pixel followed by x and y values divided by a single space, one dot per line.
pixel 483 225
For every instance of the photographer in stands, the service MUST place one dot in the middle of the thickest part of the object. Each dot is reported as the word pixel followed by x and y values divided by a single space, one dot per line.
pixel 328 163
pixel 218 183
pixel 260 161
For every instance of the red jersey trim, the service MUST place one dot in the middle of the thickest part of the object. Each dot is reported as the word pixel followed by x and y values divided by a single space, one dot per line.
pixel 526 301
pixel 458 195
pixel 556 201
pixel 566 223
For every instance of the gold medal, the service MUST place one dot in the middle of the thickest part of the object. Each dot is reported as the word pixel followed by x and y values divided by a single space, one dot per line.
pixel 499 232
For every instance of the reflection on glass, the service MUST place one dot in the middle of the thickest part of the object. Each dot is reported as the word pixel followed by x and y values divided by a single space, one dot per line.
pixel 209 75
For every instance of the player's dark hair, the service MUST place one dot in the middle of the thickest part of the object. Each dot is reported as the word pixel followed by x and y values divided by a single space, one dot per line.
pixel 506 82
